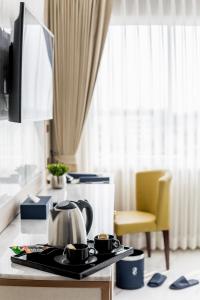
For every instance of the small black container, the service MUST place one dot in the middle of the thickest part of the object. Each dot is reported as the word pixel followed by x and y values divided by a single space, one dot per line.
pixel 106 245
pixel 79 254
pixel 130 271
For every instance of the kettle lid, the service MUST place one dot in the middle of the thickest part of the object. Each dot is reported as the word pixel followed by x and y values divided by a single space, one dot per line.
pixel 65 205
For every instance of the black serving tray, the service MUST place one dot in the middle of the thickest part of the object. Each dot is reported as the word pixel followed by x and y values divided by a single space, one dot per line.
pixel 44 261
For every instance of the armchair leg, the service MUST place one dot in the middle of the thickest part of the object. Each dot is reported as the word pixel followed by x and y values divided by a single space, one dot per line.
pixel 166 245
pixel 148 243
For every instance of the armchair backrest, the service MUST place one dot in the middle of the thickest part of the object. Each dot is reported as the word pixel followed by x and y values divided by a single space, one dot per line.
pixel 153 195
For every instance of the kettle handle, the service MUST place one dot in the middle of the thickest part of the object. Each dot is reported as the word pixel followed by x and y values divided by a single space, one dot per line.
pixel 89 212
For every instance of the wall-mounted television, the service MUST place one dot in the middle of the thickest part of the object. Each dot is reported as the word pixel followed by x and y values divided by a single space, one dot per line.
pixel 4 71
pixel 31 57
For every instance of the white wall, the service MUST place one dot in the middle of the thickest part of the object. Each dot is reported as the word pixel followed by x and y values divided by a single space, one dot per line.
pixel 21 145
pixel 9 10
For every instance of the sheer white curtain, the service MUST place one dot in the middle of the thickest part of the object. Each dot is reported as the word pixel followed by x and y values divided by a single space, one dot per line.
pixel 146 114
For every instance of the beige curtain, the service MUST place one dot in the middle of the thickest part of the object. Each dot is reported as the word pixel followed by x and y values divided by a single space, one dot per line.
pixel 80 28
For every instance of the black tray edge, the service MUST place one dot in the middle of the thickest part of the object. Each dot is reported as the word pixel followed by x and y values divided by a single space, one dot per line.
pixel 106 263
pixel 16 259
pixel 74 275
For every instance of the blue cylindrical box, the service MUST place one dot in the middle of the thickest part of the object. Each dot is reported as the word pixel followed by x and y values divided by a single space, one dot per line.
pixel 130 271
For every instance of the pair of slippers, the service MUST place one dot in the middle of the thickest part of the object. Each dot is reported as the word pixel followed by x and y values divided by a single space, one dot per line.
pixel 181 283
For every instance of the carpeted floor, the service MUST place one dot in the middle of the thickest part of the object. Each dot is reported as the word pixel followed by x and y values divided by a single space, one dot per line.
pixel 185 263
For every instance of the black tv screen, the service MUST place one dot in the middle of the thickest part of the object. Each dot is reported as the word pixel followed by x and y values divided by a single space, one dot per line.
pixel 31 94
pixel 4 71
pixel 4 58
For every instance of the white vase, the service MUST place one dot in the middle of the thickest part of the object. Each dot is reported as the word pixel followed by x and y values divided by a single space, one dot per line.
pixel 58 182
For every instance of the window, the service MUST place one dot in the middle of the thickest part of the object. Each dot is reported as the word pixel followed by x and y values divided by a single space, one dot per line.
pixel 146 108
pixel 146 114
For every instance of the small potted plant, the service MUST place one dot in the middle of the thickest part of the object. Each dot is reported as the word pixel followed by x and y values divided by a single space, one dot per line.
pixel 58 171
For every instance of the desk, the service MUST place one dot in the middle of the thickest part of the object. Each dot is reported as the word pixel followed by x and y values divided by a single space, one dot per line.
pixel 22 283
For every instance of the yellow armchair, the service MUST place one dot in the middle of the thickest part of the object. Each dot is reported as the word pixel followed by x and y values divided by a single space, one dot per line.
pixel 152 209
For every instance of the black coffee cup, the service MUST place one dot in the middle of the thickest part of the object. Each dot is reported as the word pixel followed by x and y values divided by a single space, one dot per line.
pixel 106 245
pixel 79 254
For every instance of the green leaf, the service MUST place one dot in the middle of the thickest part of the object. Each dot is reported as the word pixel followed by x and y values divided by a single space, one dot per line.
pixel 57 169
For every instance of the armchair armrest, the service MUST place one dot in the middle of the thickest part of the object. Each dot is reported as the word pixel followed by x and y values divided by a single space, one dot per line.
pixel 163 203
